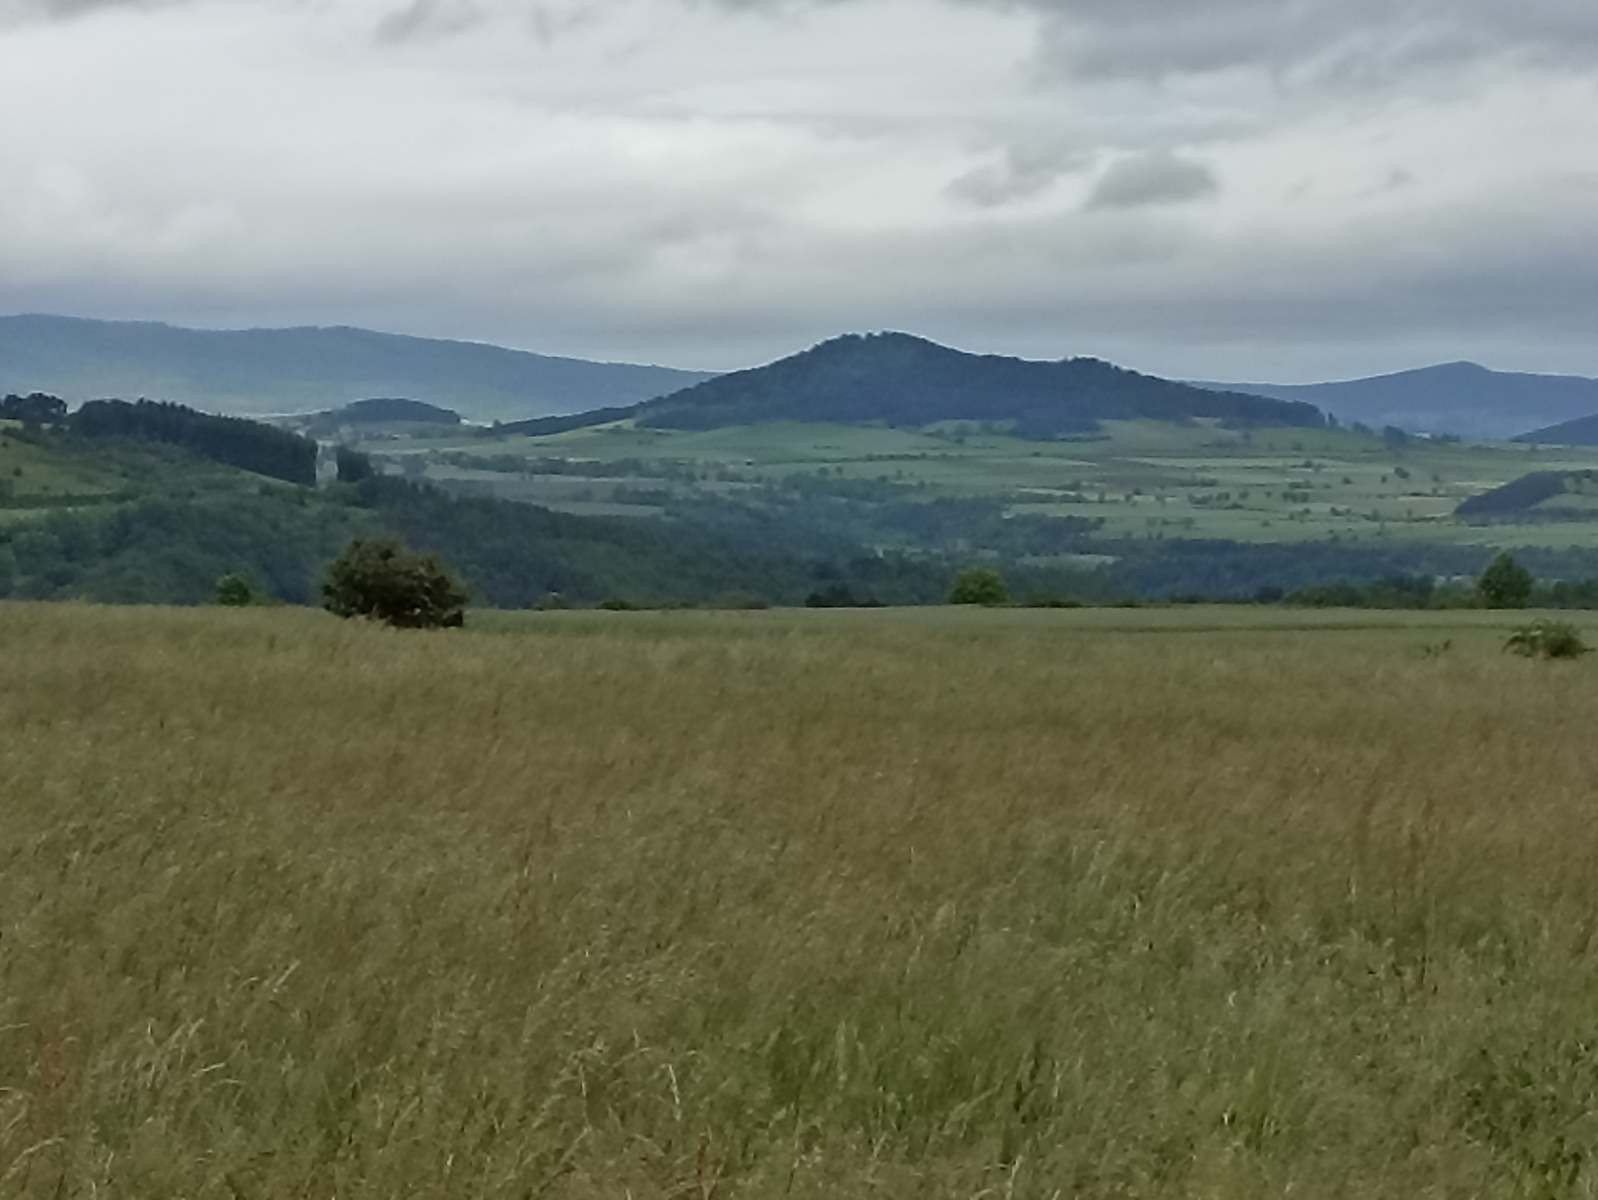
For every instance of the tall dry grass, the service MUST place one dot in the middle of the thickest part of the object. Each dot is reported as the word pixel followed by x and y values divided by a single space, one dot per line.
pixel 773 906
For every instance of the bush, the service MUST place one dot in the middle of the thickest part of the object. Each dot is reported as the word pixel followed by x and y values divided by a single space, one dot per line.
pixel 383 580
pixel 980 585
pixel 614 605
pixel 237 591
pixel 1547 639
pixel 1504 584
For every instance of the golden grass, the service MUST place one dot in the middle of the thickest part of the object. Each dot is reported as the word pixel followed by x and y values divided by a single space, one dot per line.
pixel 792 905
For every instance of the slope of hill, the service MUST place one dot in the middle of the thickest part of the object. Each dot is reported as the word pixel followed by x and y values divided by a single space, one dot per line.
pixel 1583 431
pixel 1462 398
pixel 1553 495
pixel 258 371
pixel 134 518
pixel 897 379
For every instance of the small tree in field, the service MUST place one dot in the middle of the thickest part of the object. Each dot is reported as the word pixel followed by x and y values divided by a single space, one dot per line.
pixel 980 585
pixel 237 591
pixel 385 581
pixel 1504 584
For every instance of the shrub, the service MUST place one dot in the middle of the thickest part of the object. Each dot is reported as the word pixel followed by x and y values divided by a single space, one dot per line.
pixel 383 580
pixel 237 591
pixel 1547 639
pixel 980 585
pixel 615 605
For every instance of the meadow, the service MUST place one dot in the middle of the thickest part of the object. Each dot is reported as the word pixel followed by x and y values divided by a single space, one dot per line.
pixel 1141 479
pixel 1198 903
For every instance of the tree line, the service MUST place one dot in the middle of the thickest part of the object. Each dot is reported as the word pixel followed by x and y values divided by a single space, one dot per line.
pixel 234 441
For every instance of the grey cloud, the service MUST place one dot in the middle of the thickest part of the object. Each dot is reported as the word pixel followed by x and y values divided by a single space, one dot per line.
pixel 17 12
pixel 427 18
pixel 1160 177
pixel 1022 172
pixel 1347 41
pixel 1319 40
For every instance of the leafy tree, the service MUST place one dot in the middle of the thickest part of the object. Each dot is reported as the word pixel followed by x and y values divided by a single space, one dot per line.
pixel 1504 584
pixel 34 409
pixel 980 585
pixel 382 579
pixel 236 591
pixel 353 466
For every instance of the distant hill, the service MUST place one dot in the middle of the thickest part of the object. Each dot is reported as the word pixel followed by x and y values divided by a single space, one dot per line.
pixel 1537 492
pixel 1463 398
pixel 1583 431
pixel 382 411
pixel 897 379
pixel 260 371
pixel 366 415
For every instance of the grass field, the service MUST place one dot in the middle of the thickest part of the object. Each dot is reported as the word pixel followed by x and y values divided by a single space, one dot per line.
pixel 1142 478
pixel 1200 902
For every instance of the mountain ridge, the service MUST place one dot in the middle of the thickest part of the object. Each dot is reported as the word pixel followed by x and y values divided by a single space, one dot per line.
pixel 264 371
pixel 1461 397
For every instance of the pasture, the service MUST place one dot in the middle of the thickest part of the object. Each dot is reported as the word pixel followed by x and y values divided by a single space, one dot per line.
pixel 1201 902
pixel 1142 479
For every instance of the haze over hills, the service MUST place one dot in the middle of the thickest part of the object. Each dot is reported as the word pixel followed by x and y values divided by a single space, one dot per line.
pixel 259 371
pixel 1462 398
pixel 899 379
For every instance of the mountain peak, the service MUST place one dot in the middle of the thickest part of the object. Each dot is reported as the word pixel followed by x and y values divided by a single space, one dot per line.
pixel 900 379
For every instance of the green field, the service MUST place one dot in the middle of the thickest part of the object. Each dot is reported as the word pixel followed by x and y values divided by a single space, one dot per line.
pixel 1142 479
pixel 1189 902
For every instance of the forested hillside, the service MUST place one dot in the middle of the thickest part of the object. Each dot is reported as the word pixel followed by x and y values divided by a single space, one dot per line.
pixel 898 379
pixel 248 445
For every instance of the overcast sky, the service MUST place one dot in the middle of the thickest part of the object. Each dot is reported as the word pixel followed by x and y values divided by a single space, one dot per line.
pixel 1240 189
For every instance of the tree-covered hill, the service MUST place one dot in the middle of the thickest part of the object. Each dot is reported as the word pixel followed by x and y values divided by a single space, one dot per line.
pixel 259 371
pixel 248 445
pixel 1583 431
pixel 382 411
pixel 1537 491
pixel 898 379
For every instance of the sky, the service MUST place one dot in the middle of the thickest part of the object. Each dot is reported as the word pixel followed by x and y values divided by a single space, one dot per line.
pixel 1259 190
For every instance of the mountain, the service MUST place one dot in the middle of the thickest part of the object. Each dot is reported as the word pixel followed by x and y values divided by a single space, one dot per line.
pixel 1463 398
pixel 259 371
pixel 1583 431
pixel 898 379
